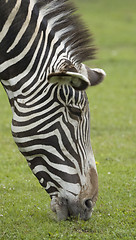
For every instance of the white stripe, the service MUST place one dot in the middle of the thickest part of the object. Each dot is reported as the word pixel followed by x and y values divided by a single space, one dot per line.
pixel 24 26
pixel 60 167
pixel 55 39
pixel 10 19
pixel 50 184
pixel 65 185
pixel 33 108
pixel 47 148
pixel 30 126
pixel 22 119
pixel 62 147
pixel 16 79
pixel 14 60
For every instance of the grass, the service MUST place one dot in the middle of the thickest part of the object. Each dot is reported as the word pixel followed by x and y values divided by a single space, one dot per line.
pixel 24 206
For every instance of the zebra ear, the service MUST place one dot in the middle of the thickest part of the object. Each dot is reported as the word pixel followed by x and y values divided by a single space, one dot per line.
pixel 95 75
pixel 74 79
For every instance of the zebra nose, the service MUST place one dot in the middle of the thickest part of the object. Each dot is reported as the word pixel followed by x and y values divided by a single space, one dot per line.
pixel 88 204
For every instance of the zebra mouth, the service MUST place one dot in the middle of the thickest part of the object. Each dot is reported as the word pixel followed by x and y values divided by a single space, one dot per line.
pixel 66 209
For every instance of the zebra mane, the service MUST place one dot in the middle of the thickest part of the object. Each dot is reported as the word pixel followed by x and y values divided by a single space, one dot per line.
pixel 77 36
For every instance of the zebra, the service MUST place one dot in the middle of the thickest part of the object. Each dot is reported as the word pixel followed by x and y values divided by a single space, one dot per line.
pixel 43 44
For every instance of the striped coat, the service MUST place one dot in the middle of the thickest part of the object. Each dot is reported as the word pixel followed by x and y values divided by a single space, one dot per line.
pixel 42 47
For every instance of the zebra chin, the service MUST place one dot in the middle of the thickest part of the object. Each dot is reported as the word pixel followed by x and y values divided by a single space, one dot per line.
pixel 66 209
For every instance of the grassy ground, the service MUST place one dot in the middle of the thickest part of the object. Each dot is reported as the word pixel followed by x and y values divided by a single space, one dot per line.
pixel 24 206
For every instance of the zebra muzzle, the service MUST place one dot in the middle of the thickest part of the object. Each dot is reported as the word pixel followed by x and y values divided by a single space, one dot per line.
pixel 65 209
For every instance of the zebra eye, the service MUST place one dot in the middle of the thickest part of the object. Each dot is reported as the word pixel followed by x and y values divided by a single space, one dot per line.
pixel 75 112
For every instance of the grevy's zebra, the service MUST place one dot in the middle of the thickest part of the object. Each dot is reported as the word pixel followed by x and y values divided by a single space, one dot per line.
pixel 42 45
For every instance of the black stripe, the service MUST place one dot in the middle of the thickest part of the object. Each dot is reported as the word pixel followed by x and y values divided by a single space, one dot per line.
pixel 56 171
pixel 5 10
pixel 47 178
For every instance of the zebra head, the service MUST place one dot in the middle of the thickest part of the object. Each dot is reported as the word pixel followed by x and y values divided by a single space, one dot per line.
pixel 77 174
pixel 52 130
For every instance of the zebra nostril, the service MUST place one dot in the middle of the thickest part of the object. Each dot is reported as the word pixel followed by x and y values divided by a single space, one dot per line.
pixel 88 203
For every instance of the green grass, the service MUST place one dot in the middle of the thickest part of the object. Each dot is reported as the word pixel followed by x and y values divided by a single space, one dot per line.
pixel 24 206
